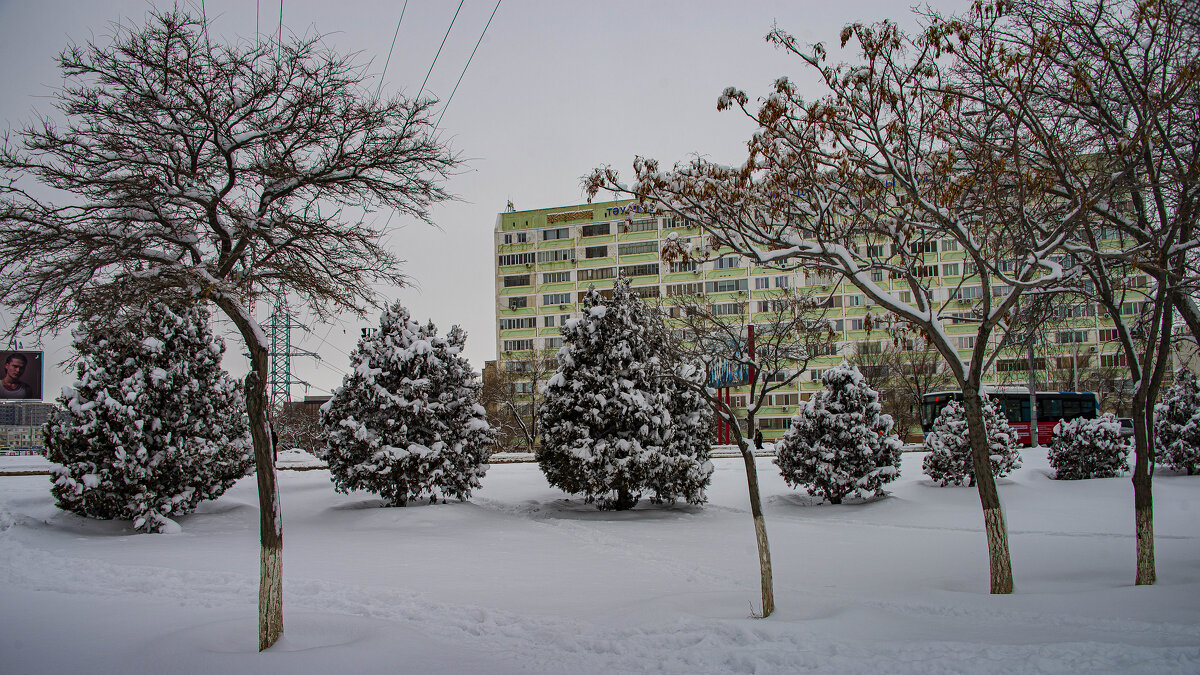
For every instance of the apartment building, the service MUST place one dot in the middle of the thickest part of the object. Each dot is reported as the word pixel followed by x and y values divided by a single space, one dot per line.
pixel 547 258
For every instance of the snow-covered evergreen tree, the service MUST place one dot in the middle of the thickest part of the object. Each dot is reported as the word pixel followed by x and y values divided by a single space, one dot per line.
pixel 153 425
pixel 1177 424
pixel 1088 448
pixel 949 458
pixel 840 442
pixel 615 423
pixel 405 423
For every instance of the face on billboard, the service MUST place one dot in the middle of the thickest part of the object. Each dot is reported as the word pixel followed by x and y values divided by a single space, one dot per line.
pixel 21 377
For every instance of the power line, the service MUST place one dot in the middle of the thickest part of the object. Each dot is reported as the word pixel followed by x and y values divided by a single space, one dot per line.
pixel 439 51
pixel 464 70
pixel 389 56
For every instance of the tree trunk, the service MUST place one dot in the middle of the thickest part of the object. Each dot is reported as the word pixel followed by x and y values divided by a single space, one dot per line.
pixel 760 530
pixel 999 558
pixel 270 518
pixel 1143 498
pixel 270 522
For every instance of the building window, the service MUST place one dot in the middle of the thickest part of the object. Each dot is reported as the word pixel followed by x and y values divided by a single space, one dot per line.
pixel 554 343
pixel 781 282
pixel 548 321
pixel 919 247
pixel 876 275
pixel 520 322
pixel 557 255
pixel 516 280
pixel 925 271
pixel 727 262
pixel 649 269
pixel 640 225
pixel 1113 361
pixel 729 308
pixel 1067 337
pixel 645 291
pixel 853 301
pixel 787 399
pixel 696 288
pixel 725 286
pixel 949 244
pixel 595 230
pixel 522 237
pixel 516 259
pixel 518 345
pixel 967 293
pixel 555 277
pixel 595 252
pixel 967 342
pixel 868 348
pixel 556 233
pixel 637 248
pixel 856 324
pixel 518 302
pixel 1109 335
pixel 761 283
pixel 597 273
pixel 508 238
pixel 556 298
pixel 950 270
pixel 683 266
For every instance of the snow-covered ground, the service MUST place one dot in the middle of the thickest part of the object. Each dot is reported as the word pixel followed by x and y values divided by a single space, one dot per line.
pixel 524 579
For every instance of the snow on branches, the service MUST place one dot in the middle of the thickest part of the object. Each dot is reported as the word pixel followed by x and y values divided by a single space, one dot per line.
pixel 949 459
pixel 1088 448
pixel 1177 424
pixel 615 423
pixel 153 425
pixel 840 443
pixel 405 423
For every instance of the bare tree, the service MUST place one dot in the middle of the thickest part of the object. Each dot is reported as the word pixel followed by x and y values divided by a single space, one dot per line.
pixel 514 397
pixel 297 425
pixel 865 183
pixel 902 368
pixel 1114 121
pixel 211 173
pixel 760 351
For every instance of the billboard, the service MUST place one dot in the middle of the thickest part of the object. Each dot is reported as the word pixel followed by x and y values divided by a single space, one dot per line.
pixel 21 376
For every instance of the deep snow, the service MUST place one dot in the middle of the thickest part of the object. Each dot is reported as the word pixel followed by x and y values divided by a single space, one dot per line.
pixel 525 579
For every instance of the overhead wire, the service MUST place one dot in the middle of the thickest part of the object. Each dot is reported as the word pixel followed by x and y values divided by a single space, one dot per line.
pixel 389 56
pixel 464 70
pixel 439 51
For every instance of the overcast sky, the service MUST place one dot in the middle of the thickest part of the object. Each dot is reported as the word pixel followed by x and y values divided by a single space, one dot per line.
pixel 556 88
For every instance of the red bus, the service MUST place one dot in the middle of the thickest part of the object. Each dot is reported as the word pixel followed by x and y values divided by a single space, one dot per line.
pixel 1052 407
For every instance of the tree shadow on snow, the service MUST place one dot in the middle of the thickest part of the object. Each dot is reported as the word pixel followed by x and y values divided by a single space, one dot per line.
pixel 805 500
pixel 577 509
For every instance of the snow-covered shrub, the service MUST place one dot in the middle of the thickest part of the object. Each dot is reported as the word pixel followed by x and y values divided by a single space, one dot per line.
pixel 1177 424
pixel 153 425
pixel 405 423
pixel 949 446
pixel 840 442
pixel 614 421
pixel 1088 448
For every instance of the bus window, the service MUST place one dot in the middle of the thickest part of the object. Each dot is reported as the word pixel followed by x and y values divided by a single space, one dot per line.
pixel 1087 407
pixel 1049 410
pixel 1012 410
pixel 1070 409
